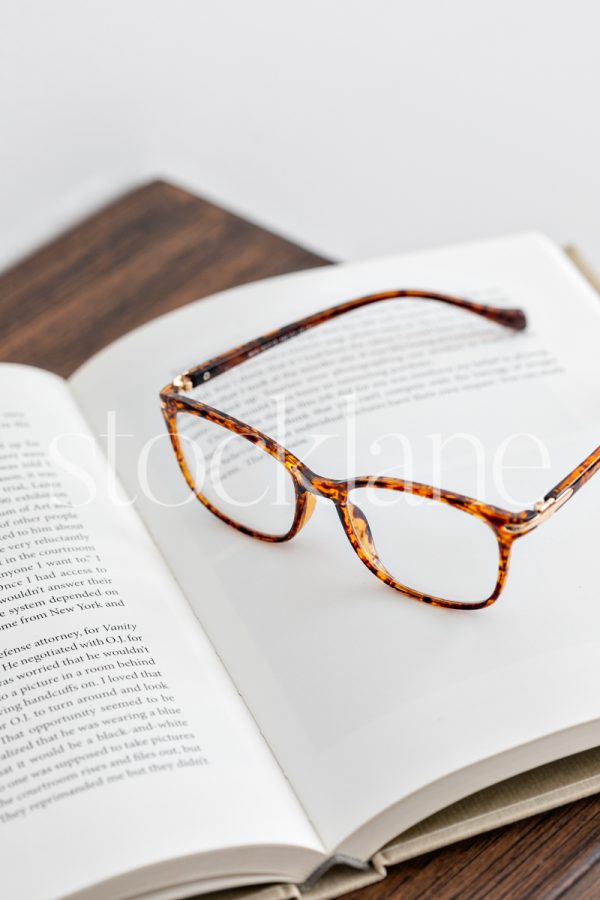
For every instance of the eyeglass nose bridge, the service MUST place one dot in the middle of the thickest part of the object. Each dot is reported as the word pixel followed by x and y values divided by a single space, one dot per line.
pixel 353 519
pixel 318 486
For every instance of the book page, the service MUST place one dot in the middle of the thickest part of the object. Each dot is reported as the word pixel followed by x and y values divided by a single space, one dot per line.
pixel 370 700
pixel 123 743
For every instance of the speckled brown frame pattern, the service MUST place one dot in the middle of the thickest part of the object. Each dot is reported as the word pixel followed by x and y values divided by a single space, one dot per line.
pixel 507 526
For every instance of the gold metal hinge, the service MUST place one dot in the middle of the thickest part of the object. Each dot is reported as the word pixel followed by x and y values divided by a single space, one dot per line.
pixel 543 509
pixel 183 382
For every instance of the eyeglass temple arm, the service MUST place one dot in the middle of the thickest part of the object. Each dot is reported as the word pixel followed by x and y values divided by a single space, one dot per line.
pixel 578 477
pixel 559 494
pixel 510 317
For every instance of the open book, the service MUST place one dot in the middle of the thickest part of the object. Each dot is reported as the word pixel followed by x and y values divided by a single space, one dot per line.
pixel 184 709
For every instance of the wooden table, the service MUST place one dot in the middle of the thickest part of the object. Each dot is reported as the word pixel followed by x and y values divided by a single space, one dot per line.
pixel 149 252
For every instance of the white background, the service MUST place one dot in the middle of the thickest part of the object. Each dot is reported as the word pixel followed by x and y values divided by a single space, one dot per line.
pixel 357 128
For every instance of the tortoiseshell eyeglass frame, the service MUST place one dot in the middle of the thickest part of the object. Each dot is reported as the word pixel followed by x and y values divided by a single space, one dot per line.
pixel 507 526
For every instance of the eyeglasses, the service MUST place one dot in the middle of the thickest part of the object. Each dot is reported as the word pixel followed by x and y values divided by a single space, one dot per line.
pixel 430 544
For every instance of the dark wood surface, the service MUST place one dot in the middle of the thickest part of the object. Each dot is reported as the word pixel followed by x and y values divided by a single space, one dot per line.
pixel 149 252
